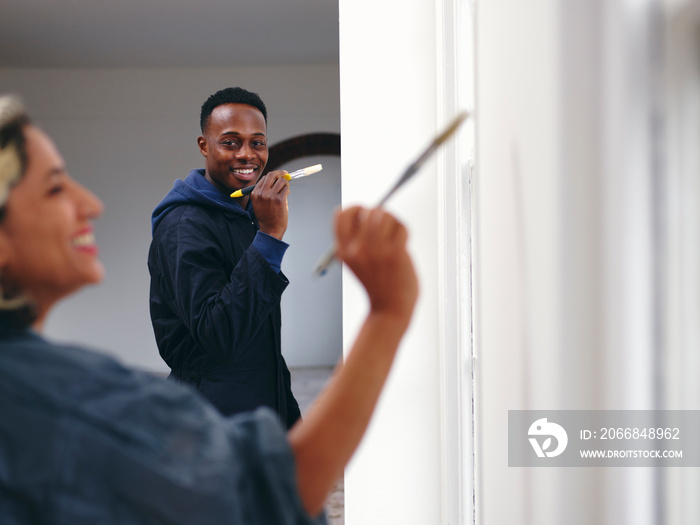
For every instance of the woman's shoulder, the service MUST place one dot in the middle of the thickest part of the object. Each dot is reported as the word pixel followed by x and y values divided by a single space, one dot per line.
pixel 32 361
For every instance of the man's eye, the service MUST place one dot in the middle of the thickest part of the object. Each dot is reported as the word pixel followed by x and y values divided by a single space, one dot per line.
pixel 56 189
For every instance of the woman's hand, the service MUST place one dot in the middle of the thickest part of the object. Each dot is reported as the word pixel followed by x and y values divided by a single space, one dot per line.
pixel 373 245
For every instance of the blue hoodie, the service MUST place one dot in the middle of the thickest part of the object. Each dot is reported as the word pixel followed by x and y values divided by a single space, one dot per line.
pixel 215 295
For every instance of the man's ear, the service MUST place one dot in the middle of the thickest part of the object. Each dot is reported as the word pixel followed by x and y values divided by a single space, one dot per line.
pixel 202 143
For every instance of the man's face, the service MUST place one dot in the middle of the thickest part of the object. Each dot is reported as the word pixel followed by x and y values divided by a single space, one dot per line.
pixel 234 145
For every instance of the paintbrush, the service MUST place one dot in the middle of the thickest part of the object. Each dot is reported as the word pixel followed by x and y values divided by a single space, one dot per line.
pixel 304 172
pixel 325 261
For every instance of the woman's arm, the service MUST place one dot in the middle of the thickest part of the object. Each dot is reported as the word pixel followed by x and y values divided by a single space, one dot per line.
pixel 373 244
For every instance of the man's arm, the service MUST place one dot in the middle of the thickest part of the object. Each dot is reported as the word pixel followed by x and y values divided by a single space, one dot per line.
pixel 373 244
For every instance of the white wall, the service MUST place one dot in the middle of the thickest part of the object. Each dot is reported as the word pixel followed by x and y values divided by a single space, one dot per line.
pixel 127 135
pixel 538 266
pixel 388 114
pixel 574 294
pixel 570 243
pixel 682 248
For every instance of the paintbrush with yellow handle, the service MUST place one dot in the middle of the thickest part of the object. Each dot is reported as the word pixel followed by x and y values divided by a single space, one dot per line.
pixel 304 172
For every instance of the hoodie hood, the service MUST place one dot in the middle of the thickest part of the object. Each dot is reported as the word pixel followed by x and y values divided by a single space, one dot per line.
pixel 195 189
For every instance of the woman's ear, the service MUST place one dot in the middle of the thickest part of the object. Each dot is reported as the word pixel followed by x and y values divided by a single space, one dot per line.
pixel 5 249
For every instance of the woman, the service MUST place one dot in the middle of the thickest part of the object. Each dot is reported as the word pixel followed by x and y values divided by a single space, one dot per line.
pixel 86 440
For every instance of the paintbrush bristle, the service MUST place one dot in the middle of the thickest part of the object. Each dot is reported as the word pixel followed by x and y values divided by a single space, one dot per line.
pixel 313 169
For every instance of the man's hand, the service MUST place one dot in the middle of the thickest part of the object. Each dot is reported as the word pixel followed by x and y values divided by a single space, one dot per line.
pixel 373 244
pixel 269 200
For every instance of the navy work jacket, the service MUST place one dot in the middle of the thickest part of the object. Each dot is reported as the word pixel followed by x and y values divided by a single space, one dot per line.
pixel 215 301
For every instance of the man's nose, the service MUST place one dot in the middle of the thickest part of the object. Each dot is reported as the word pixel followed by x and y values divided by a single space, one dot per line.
pixel 245 152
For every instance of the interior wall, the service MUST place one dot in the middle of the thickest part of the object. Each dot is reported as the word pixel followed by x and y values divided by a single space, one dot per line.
pixel 517 228
pixel 127 134
pixel 682 248
pixel 569 218
pixel 389 113
pixel 569 230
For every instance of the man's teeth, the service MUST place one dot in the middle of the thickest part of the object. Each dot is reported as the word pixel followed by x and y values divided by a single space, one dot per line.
pixel 86 239
pixel 245 172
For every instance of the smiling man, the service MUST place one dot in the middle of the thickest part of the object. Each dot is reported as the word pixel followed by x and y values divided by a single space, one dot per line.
pixel 215 265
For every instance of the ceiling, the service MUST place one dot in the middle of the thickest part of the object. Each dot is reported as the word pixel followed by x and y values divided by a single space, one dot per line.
pixel 167 33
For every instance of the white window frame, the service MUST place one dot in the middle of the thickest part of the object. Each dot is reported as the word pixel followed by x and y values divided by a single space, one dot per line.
pixel 456 88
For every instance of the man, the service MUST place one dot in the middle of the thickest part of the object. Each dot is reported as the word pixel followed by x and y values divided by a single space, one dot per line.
pixel 215 265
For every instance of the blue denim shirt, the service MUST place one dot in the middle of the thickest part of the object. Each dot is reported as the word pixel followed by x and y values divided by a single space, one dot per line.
pixel 84 440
